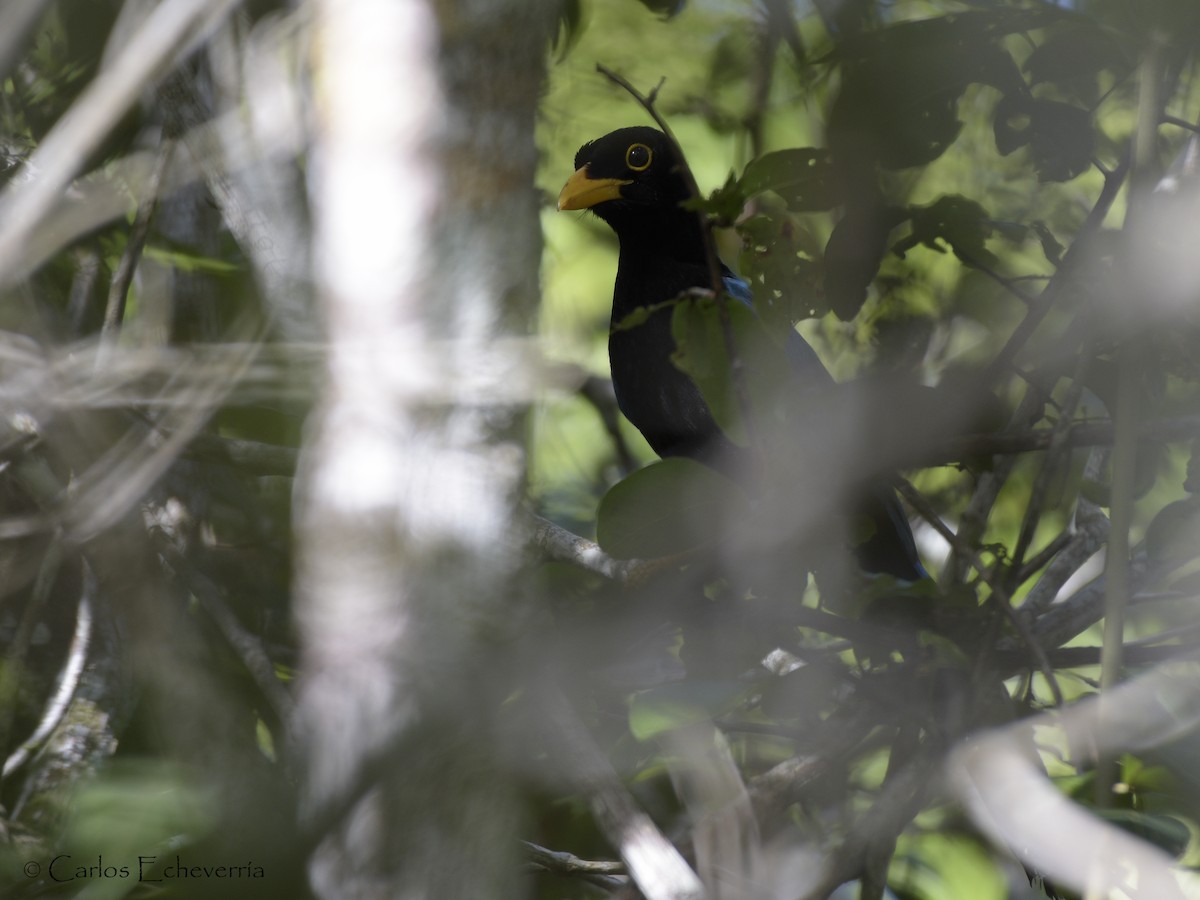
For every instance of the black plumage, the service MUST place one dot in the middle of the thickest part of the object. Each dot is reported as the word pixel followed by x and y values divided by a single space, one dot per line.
pixel 631 180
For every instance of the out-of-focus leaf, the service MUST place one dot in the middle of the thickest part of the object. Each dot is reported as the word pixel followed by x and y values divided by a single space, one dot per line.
pixel 852 258
pixel 702 353
pixel 665 8
pixel 133 805
pixel 1191 482
pixel 960 222
pixel 802 176
pixel 724 204
pixel 803 691
pixel 570 25
pixel 1165 832
pixel 669 507
pixel 944 866
pixel 777 261
pixel 733 58
pixel 1050 244
pixel 901 86
pixel 667 708
pixel 1174 533
pixel 1060 136
pixel 1073 55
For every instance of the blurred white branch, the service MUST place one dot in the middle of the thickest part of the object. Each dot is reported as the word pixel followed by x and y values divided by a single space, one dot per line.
pixel 63 152
pixel 1009 797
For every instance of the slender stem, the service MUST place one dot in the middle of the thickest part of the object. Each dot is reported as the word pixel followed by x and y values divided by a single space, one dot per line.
pixel 1054 453
pixel 1038 310
pixel 1124 459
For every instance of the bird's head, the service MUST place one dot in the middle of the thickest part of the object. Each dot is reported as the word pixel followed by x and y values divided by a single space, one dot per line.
pixel 627 172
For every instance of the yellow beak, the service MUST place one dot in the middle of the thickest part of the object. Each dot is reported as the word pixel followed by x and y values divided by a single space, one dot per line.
pixel 582 192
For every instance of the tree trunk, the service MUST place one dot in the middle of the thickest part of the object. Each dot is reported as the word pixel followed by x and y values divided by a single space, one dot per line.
pixel 426 253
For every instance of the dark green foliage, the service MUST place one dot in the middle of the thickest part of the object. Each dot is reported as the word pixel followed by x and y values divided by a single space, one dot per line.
pixel 669 507
pixel 852 257
pixel 665 8
pixel 1060 136
pixel 897 106
pixel 779 261
pixel 961 223
pixel 701 328
pixel 804 177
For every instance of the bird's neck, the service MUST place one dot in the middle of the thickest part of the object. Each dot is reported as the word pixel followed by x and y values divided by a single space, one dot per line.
pixel 661 256
pixel 667 234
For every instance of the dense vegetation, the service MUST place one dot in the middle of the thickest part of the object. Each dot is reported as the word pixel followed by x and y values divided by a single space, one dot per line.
pixel 327 558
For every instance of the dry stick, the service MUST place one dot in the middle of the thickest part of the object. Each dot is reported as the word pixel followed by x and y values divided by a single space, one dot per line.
pixel 114 311
pixel 1043 556
pixel 1009 284
pixel 603 873
pixel 999 595
pixel 713 261
pixel 565 546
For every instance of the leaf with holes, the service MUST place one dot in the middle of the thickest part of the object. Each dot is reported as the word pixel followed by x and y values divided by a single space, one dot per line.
pixel 802 176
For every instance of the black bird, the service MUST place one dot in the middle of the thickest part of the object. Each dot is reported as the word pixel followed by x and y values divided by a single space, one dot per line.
pixel 631 180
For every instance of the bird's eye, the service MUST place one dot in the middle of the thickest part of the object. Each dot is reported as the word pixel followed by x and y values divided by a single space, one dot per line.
pixel 638 157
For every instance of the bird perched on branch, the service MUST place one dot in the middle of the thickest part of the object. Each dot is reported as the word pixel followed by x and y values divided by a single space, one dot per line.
pixel 633 180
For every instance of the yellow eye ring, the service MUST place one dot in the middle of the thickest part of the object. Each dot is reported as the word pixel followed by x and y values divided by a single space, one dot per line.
pixel 638 157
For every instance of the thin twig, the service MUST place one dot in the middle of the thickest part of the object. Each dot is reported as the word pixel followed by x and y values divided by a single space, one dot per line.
pixel 1038 310
pixel 114 310
pixel 1050 463
pixel 999 596
pixel 247 646
pixel 973 521
pixel 599 393
pixel 1182 123
pixel 604 873
pixel 1033 565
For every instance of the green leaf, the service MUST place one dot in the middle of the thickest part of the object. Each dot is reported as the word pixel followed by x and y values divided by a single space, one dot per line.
pixel 1060 136
pixel 1072 56
pixel 665 8
pixel 901 86
pixel 673 706
pixel 671 506
pixel 960 222
pixel 803 177
pixel 701 352
pixel 189 262
pixel 1051 247
pixel 1174 534
pixel 778 260
pixel 1164 832
pixel 852 257
pixel 724 204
